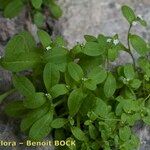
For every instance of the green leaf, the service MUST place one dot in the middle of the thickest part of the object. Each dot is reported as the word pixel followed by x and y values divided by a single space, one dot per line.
pixel 90 84
pixel 97 74
pixel 39 19
pixel 78 134
pixel 58 90
pixel 74 101
pixel 13 8
pixel 110 85
pixel 23 85
pixel 139 44
pixel 60 42
pixel 93 49
pixel 112 54
pixel 88 62
pixel 88 104
pixel 58 56
pixel 101 108
pixel 129 71
pixel 41 128
pixel 35 101
pixel 44 38
pixel 142 22
pixel 130 105
pixel 144 65
pixel 36 3
pixel 55 9
pixel 93 131
pixel 75 71
pixel 58 123
pixel 125 133
pixel 147 120
pixel 21 43
pixel 128 13
pixel 32 117
pixel 51 76
pixel 90 38
pixel 21 62
pixel 136 83
pixel 15 109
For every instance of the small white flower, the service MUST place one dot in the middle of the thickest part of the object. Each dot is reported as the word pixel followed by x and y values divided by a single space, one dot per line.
pixel 140 16
pixel 48 48
pixel 116 41
pixel 0 57
pixel 127 80
pixel 67 86
pixel 109 40
pixel 84 79
pixel 134 23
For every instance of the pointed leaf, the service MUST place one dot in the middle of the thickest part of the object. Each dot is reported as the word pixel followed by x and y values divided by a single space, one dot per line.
pixel 32 117
pixel 51 76
pixel 129 71
pixel 75 71
pixel 58 123
pixel 13 8
pixel 139 44
pixel 74 101
pixel 35 101
pixel 110 85
pixel 93 49
pixel 78 134
pixel 41 128
pixel 128 13
pixel 58 90
pixel 36 3
pixel 23 85
pixel 44 38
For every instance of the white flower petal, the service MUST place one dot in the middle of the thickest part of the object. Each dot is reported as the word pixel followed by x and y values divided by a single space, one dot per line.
pixel 140 16
pixel 109 40
pixel 134 23
pixel 48 48
pixel 116 41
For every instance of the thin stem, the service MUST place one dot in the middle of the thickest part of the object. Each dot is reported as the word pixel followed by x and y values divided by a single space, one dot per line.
pixel 129 48
pixel 58 103
pixel 110 119
pixel 3 96
pixel 78 121
pixel 107 61
pixel 147 98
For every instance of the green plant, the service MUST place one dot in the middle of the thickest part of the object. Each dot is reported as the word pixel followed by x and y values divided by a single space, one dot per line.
pixel 74 93
pixel 35 9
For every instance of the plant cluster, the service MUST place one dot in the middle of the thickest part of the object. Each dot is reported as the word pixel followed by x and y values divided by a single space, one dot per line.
pixel 35 9
pixel 73 94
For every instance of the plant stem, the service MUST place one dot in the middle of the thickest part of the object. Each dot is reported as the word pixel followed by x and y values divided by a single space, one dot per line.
pixel 147 98
pixel 78 121
pixel 110 119
pixel 58 103
pixel 129 48
pixel 3 96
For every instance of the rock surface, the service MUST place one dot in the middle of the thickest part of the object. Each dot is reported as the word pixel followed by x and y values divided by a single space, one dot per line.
pixel 79 17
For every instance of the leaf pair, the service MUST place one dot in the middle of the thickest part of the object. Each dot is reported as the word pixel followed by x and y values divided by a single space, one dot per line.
pixel 129 14
pixel 26 88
